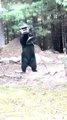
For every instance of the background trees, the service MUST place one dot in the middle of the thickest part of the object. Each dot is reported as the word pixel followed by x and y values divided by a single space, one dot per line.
pixel 43 15
pixel 2 39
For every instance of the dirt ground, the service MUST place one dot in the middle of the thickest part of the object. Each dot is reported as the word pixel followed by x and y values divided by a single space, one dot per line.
pixel 50 68
pixel 38 95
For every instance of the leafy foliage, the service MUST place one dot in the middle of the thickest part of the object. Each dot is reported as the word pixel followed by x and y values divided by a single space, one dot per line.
pixel 42 32
pixel 17 13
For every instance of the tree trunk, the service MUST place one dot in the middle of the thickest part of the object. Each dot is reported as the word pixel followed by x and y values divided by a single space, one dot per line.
pixel 2 39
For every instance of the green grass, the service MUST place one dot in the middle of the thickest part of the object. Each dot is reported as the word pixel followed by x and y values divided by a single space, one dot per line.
pixel 23 102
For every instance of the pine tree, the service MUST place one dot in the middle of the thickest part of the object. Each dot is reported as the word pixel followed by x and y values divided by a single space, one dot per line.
pixel 2 39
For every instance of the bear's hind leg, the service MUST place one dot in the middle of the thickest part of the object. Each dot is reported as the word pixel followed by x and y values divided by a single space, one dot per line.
pixel 24 64
pixel 33 64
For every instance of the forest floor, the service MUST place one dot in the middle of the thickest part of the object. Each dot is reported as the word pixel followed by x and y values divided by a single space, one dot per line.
pixel 40 95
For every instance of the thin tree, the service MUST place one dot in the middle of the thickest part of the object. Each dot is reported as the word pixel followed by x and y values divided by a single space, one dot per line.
pixel 2 39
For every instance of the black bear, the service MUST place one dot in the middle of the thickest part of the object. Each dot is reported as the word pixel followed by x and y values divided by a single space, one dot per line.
pixel 27 41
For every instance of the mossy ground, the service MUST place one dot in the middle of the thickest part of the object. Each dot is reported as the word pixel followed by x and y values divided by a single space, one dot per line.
pixel 24 102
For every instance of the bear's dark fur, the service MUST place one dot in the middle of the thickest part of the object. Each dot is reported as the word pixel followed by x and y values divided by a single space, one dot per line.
pixel 28 54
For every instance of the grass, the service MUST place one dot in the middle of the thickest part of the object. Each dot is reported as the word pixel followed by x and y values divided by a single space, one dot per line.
pixel 23 102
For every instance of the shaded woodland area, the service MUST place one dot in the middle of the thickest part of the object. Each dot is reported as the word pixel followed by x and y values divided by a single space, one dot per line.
pixel 49 19
pixel 40 95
